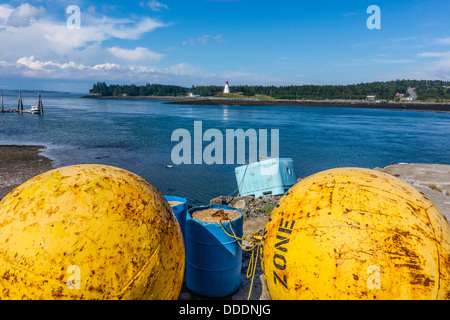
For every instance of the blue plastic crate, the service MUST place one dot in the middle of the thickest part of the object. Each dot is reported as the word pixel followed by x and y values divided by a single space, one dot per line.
pixel 272 176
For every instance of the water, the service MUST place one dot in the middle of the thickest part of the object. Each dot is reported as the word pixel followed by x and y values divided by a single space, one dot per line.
pixel 136 135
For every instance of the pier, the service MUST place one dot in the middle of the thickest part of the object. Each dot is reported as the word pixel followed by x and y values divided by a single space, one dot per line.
pixel 36 109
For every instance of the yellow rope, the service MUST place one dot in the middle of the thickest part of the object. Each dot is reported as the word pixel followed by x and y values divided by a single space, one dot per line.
pixel 255 238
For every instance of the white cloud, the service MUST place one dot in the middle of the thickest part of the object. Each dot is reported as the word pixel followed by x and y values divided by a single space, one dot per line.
pixel 203 40
pixel 106 66
pixel 38 46
pixel 5 12
pixel 137 54
pixel 48 66
pixel 434 66
pixel 134 32
pixel 33 64
pixel 27 31
pixel 44 48
pixel 434 54
pixel 23 15
pixel 180 69
pixel 395 61
pixel 4 64
pixel 35 68
pixel 157 6
pixel 443 40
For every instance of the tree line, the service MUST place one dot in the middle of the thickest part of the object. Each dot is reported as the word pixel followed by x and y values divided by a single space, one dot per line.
pixel 102 89
pixel 387 90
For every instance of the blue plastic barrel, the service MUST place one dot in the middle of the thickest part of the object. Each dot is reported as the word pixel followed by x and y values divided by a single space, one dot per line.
pixel 180 211
pixel 213 259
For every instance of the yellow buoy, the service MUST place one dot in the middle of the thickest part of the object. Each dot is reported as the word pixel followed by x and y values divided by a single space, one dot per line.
pixel 353 233
pixel 89 232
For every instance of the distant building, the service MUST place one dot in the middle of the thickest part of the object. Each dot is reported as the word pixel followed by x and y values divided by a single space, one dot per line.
pixel 371 97
pixel 399 94
pixel 226 89
pixel 193 95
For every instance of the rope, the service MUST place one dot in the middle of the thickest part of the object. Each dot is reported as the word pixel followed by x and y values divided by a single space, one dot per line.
pixel 240 183
pixel 255 238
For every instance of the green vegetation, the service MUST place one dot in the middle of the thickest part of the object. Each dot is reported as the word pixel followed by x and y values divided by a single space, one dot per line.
pixel 102 89
pixel 266 209
pixel 262 97
pixel 230 95
pixel 430 91
pixel 433 91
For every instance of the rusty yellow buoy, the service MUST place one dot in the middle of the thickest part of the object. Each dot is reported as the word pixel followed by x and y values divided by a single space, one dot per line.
pixel 352 233
pixel 89 232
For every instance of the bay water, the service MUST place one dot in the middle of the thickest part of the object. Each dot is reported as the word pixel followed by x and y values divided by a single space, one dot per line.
pixel 136 135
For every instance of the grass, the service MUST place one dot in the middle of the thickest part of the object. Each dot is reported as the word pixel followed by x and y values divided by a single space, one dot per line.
pixel 263 97
pixel 266 209
pixel 230 95
pixel 241 96
pixel 432 186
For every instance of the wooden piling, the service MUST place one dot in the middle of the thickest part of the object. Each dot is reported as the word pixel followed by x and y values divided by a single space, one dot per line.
pixel 40 105
pixel 20 103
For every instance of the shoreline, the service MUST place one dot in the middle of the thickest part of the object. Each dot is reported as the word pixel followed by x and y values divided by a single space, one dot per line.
pixel 424 106
pixel 19 163
pixel 160 98
pixel 417 106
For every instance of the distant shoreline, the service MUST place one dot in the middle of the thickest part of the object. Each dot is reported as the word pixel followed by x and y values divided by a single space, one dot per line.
pixel 164 98
pixel 427 106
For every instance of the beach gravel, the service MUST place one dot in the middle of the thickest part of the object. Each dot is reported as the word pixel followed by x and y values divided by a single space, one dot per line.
pixel 19 164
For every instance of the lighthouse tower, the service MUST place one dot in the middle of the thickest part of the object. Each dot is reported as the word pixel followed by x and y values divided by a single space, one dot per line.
pixel 227 88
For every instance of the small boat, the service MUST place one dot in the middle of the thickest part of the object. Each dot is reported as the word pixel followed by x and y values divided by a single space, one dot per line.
pixel 34 110
pixel 37 108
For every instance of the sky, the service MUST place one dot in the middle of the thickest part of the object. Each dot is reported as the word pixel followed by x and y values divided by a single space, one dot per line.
pixel 45 46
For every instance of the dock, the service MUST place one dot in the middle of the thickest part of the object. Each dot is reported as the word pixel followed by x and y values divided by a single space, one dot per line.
pixel 36 109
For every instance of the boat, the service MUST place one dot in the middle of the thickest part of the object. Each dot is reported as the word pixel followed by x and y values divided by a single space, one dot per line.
pixel 37 108
pixel 34 110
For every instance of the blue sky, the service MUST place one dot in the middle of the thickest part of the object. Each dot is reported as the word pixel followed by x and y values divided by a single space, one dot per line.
pixel 202 42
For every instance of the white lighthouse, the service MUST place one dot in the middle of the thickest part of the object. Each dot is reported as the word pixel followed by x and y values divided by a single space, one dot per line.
pixel 227 88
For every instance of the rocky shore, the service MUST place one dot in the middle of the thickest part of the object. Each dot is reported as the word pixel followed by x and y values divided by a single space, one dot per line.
pixel 412 105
